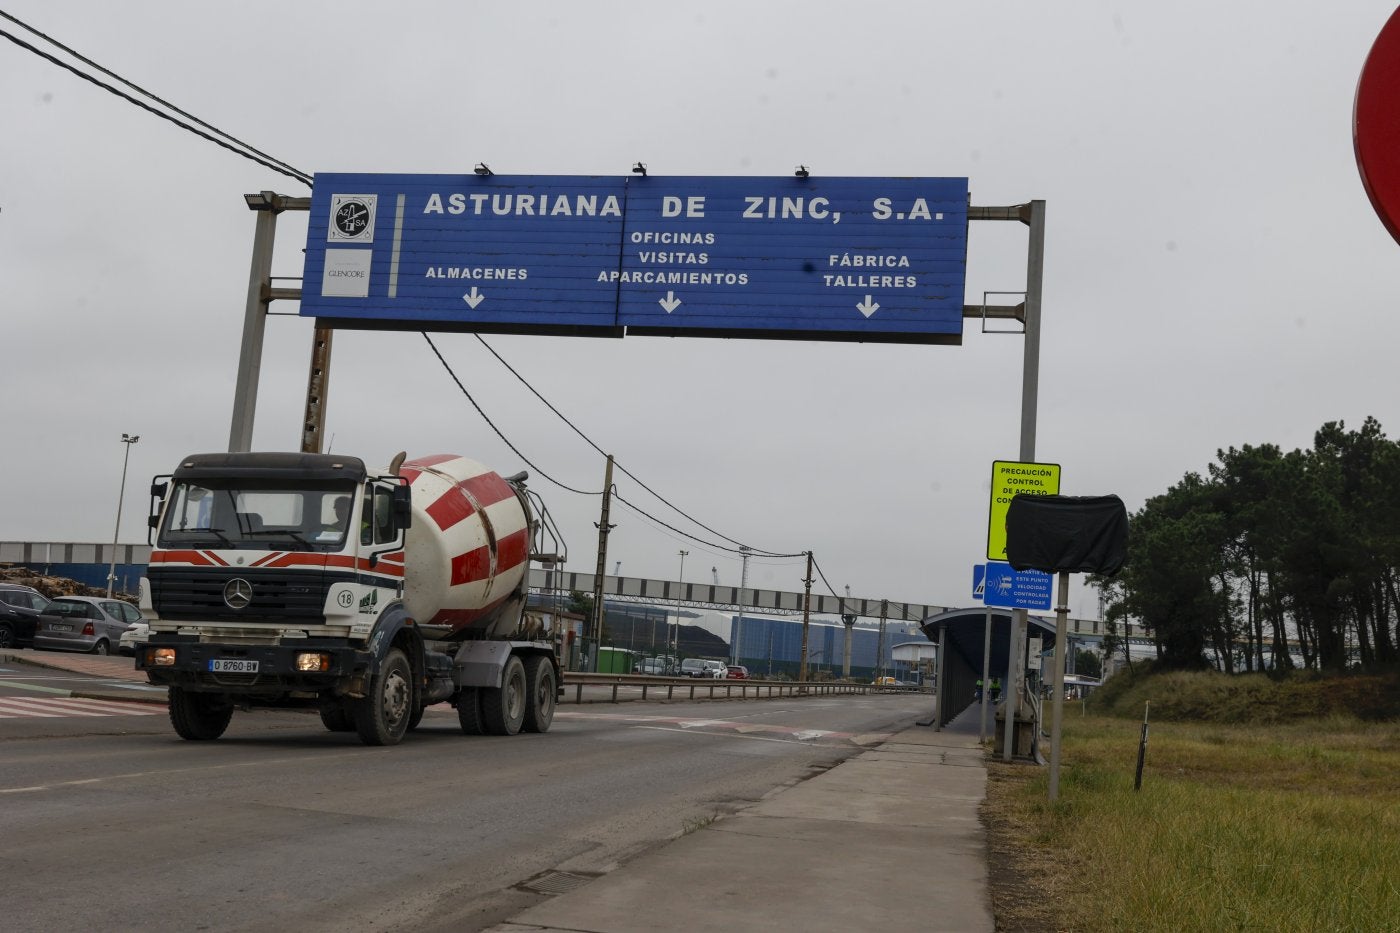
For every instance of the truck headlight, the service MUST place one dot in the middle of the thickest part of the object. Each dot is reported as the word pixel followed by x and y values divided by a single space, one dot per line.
pixel 313 661
pixel 160 657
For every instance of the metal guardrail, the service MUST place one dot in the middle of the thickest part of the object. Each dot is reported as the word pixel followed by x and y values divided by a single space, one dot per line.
pixel 710 688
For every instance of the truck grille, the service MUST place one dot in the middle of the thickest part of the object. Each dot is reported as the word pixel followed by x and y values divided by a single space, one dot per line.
pixel 196 594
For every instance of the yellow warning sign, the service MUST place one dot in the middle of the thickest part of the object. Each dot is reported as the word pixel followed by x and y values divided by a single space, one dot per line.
pixel 1011 479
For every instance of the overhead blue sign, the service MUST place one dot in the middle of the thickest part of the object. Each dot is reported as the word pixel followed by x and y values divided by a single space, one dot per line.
pixel 1008 588
pixel 835 258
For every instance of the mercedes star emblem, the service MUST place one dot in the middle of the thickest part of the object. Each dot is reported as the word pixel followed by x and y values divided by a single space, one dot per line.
pixel 238 593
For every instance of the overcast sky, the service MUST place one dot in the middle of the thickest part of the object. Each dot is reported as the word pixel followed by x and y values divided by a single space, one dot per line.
pixel 1214 273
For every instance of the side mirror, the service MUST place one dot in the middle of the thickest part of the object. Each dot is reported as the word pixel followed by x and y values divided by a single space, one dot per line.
pixel 158 490
pixel 403 506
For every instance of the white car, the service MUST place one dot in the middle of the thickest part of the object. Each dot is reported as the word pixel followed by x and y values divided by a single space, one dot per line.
pixel 716 669
pixel 133 638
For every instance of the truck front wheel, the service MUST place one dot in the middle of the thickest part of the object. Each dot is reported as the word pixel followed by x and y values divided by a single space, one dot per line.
pixel 198 717
pixel 381 717
pixel 503 708
pixel 539 688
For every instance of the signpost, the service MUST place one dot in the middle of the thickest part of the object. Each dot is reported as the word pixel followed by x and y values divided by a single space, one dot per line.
pixel 861 259
pixel 1010 478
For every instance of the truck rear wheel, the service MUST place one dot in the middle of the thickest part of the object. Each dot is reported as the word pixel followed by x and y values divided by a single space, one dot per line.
pixel 503 708
pixel 381 717
pixel 540 694
pixel 469 711
pixel 198 717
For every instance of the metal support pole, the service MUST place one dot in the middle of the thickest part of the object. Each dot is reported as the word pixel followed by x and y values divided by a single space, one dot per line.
pixel 806 619
pixel 1057 703
pixel 940 690
pixel 850 622
pixel 245 393
pixel 880 641
pixel 986 676
pixel 1033 215
pixel 127 440
pixel 743 582
pixel 603 529
pixel 681 580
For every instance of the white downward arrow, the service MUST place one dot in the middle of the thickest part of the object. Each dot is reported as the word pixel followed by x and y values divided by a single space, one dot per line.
pixel 867 307
pixel 473 298
pixel 670 302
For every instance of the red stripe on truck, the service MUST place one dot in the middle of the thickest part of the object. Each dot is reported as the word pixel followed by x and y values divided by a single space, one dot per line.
pixel 475 565
pixel 462 501
pixel 458 618
pixel 179 557
pixel 512 550
pixel 472 566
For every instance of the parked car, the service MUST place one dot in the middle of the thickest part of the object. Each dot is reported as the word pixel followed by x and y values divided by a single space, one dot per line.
pixel 738 672
pixel 85 623
pixel 693 667
pixel 716 669
pixel 20 609
pixel 887 682
pixel 133 638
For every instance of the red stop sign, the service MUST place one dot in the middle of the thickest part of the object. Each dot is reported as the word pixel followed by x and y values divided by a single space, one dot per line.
pixel 1376 125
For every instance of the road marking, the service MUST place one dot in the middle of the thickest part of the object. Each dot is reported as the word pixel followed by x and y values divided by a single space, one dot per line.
pixel 35 687
pixel 56 708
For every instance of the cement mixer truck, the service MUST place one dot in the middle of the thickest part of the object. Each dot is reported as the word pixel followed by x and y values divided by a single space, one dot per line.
pixel 287 580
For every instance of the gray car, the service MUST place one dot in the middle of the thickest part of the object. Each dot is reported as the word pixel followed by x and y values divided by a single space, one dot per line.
pixel 85 623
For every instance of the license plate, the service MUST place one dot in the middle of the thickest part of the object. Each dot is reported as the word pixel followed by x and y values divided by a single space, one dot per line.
pixel 58 627
pixel 233 666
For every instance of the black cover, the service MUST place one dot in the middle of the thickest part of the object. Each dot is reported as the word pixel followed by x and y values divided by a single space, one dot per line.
pixel 1075 534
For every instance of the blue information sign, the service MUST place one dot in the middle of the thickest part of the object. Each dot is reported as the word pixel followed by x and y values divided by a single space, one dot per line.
pixel 835 258
pixel 1008 588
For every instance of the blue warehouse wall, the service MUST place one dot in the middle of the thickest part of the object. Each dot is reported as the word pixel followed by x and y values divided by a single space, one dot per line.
pixel 775 646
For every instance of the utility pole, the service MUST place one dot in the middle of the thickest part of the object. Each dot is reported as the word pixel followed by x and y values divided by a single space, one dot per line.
pixel 880 644
pixel 743 582
pixel 806 618
pixel 681 580
pixel 603 529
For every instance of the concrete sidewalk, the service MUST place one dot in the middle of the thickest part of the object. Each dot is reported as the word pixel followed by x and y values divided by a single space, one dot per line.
pixel 888 840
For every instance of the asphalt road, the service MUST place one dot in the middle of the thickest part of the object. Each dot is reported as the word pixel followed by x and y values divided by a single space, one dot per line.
pixel 111 822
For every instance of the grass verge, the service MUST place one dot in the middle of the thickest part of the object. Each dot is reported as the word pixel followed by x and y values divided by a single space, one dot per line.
pixel 1237 827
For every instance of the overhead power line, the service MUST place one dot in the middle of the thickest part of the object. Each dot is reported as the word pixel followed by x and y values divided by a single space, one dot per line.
pixel 688 535
pixel 499 433
pixel 839 599
pixel 738 545
pixel 233 144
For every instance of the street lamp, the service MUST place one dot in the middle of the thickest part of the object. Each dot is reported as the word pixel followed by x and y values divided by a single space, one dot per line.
pixel 676 651
pixel 128 440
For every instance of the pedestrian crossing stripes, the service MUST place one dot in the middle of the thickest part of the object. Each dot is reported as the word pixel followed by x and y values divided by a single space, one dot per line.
pixel 62 707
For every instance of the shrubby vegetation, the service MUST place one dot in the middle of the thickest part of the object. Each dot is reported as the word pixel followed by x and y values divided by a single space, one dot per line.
pixel 1272 560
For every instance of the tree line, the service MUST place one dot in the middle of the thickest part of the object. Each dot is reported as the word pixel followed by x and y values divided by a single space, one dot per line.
pixel 1271 560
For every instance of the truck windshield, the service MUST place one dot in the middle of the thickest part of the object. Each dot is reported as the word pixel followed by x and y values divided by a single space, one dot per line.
pixel 255 515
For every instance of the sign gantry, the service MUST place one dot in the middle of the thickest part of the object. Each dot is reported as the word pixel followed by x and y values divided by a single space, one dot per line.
pixel 864 259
